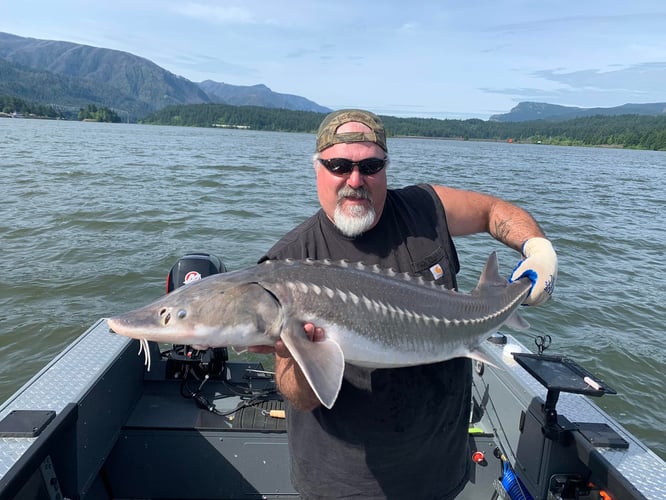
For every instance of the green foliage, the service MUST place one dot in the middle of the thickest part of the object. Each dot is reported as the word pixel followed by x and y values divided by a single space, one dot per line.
pixel 630 131
pixel 9 105
pixel 98 114
pixel 225 116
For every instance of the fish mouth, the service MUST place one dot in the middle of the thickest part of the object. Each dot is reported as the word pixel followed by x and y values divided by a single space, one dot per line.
pixel 122 326
pixel 114 324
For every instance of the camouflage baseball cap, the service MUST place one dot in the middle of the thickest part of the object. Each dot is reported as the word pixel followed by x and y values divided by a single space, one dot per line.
pixel 327 136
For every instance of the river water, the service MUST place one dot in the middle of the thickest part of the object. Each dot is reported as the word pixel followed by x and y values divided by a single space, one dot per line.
pixel 92 216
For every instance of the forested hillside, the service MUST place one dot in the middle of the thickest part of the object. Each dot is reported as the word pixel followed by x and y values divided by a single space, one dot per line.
pixel 74 75
pixel 530 111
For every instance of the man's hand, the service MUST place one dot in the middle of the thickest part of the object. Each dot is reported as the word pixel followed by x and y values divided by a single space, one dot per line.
pixel 315 334
pixel 540 266
pixel 289 377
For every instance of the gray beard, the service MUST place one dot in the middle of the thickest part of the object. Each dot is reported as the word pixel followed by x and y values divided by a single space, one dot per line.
pixel 355 220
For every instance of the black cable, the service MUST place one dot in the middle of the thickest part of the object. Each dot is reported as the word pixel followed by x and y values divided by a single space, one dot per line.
pixel 204 403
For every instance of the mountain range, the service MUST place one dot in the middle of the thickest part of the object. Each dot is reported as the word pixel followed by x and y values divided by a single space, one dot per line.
pixel 529 111
pixel 71 76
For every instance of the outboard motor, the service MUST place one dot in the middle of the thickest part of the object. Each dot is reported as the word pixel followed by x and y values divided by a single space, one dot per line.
pixel 188 269
pixel 193 267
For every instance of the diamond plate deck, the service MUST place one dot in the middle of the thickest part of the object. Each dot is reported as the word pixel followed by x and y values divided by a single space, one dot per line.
pixel 70 375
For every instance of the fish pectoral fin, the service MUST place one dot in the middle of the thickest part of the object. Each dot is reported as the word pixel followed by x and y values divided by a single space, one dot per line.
pixel 479 355
pixel 322 362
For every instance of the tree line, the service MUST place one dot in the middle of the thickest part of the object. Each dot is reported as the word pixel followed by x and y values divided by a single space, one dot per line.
pixel 224 115
pixel 629 131
pixel 98 114
pixel 10 105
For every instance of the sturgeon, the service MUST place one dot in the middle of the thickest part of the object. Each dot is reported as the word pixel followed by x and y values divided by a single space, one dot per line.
pixel 371 317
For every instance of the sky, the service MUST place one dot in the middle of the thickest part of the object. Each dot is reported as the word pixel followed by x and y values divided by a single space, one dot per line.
pixel 438 58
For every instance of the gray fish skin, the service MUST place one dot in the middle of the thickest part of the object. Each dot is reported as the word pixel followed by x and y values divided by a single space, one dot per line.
pixel 371 317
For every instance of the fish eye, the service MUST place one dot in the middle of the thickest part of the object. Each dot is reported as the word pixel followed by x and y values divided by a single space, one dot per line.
pixel 182 313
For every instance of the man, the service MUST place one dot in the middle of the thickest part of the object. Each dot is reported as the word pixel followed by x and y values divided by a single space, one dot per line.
pixel 392 433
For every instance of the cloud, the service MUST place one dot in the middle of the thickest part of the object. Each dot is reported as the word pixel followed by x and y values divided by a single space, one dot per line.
pixel 651 75
pixel 594 87
pixel 408 27
pixel 215 14
pixel 299 53
pixel 203 63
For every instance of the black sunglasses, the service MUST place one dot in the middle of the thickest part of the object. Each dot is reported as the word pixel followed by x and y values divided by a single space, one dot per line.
pixel 343 166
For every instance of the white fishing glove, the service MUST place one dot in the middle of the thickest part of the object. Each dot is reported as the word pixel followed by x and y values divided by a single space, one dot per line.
pixel 539 264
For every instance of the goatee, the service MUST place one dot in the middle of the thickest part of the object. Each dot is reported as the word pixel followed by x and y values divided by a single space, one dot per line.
pixel 353 220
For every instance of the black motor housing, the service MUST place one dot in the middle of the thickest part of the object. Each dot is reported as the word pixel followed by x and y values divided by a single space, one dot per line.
pixel 193 267
pixel 188 269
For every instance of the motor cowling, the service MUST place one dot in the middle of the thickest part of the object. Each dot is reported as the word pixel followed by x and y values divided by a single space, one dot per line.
pixel 193 267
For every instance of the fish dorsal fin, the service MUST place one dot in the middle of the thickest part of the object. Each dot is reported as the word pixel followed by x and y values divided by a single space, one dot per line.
pixel 491 282
pixel 322 362
pixel 490 277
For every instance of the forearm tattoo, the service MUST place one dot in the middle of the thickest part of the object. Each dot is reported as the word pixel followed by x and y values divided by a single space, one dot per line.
pixel 502 229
